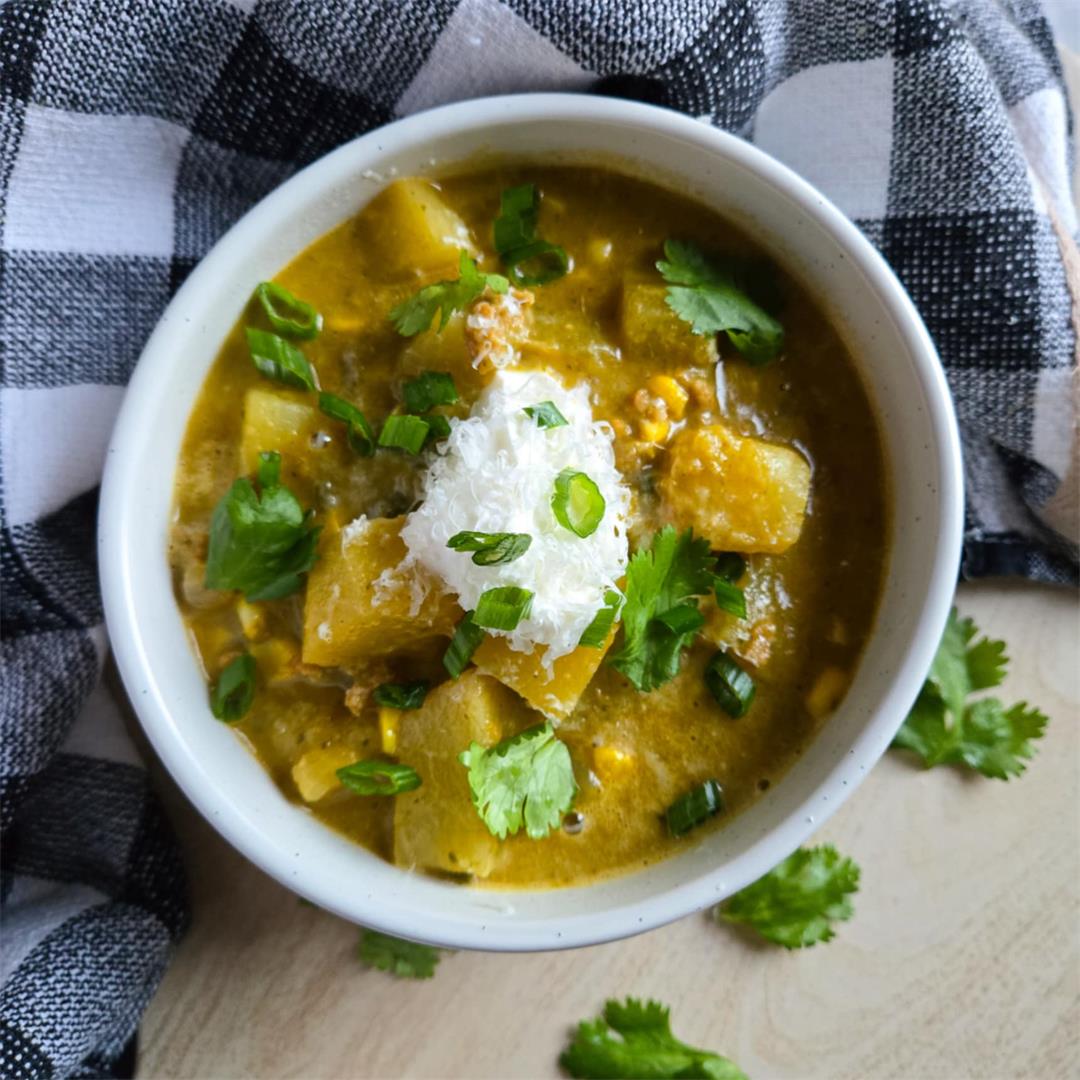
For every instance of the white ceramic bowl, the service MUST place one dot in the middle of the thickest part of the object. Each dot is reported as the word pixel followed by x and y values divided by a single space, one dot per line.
pixel 811 238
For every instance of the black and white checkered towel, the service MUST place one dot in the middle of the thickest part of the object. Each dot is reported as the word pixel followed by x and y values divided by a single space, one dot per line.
pixel 133 133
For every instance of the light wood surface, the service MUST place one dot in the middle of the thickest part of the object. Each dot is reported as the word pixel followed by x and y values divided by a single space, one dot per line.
pixel 962 960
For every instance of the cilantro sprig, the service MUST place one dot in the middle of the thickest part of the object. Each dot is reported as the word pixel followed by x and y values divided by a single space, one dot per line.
pixel 527 259
pixel 415 315
pixel 661 617
pixel 946 727
pixel 405 959
pixel 796 903
pixel 525 781
pixel 710 294
pixel 260 543
pixel 633 1039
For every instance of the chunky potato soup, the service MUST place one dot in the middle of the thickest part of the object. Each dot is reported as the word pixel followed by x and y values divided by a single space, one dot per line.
pixel 529 524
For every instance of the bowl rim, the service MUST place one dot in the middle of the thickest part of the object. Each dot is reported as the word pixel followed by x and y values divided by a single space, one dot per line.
pixel 119 587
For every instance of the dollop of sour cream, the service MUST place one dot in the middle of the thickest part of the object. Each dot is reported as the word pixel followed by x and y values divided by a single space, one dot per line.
pixel 496 473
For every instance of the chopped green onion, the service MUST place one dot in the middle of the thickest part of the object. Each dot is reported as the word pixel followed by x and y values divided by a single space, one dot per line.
pixel 546 415
pixel 233 693
pixel 730 566
pixel 731 686
pixel 503 608
pixel 440 426
pixel 298 320
pixel 360 437
pixel 401 695
pixel 465 642
pixel 596 633
pixel 404 432
pixel 695 807
pixel 275 358
pixel 491 549
pixel 378 778
pixel 538 263
pixel 730 598
pixel 682 619
pixel 577 503
pixel 268 472
pixel 429 389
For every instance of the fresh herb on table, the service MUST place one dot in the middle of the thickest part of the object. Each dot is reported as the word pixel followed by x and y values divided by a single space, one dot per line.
pixel 796 903
pixel 234 692
pixel 286 313
pixel 359 435
pixel 279 360
pixel 260 543
pixel 378 778
pixel 946 727
pixel 527 259
pixel 406 696
pixel 415 315
pixel 491 549
pixel 662 583
pixel 632 1039
pixel 525 781
pixel 405 959
pixel 710 294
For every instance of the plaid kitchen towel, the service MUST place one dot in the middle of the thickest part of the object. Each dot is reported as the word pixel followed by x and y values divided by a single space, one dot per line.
pixel 132 134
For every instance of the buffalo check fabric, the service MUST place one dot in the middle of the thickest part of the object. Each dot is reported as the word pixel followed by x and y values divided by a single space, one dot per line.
pixel 133 134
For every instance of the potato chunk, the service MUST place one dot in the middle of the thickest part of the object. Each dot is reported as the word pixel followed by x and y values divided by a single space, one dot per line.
pixel 652 331
pixel 352 612
pixel 556 696
pixel 436 827
pixel 741 494
pixel 276 421
pixel 411 230
pixel 315 773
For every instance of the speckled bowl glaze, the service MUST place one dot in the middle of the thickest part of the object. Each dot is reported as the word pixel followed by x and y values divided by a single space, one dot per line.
pixel 812 239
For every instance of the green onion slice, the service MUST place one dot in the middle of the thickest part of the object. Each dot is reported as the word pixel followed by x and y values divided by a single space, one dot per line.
pixel 595 634
pixel 378 778
pixel 465 642
pixel 695 807
pixel 546 415
pixel 731 686
pixel 730 598
pixel 538 263
pixel 730 566
pixel 275 358
pixel 404 432
pixel 682 619
pixel 401 695
pixel 491 549
pixel 358 433
pixel 503 608
pixel 233 693
pixel 429 389
pixel 439 424
pixel 577 503
pixel 288 314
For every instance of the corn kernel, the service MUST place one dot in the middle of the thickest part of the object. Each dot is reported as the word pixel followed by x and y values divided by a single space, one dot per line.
pixel 252 620
pixel 388 728
pixel 653 431
pixel 610 763
pixel 670 393
pixel 315 773
pixel 827 691
pixel 275 658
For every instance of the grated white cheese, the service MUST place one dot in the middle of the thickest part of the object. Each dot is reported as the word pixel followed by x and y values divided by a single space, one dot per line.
pixel 497 474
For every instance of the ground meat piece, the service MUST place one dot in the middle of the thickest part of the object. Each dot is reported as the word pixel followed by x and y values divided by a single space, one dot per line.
pixel 495 326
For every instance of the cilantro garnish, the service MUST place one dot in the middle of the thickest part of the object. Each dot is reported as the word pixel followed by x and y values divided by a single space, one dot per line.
pixel 260 543
pixel 525 780
pixel 633 1039
pixel 415 315
pixel 406 959
pixel 709 293
pixel 661 584
pixel 527 259
pixel 796 903
pixel 944 727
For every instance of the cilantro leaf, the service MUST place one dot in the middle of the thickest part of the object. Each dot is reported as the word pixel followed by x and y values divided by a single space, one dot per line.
pixel 633 1039
pixel 415 315
pixel 711 295
pixel 945 728
pixel 526 779
pixel 796 903
pixel 659 579
pixel 260 543
pixel 406 959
